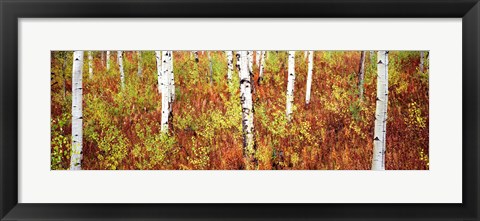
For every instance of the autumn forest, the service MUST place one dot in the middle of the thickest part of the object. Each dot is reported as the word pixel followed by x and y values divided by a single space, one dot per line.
pixel 239 110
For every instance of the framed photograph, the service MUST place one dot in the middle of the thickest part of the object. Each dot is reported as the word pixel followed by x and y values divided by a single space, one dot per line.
pixel 256 110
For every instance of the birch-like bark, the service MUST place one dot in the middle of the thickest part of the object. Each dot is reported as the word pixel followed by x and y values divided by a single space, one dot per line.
pixel 120 67
pixel 290 84
pixel 139 63
pixel 421 61
pixel 90 65
pixel 102 57
pixel 238 59
pixel 196 56
pixel 250 62
pixel 210 75
pixel 262 64
pixel 309 77
pixel 158 56
pixel 247 110
pixel 165 83
pixel 379 141
pixel 257 58
pixel 64 71
pixel 172 81
pixel 250 68
pixel 108 60
pixel 229 66
pixel 77 133
pixel 361 74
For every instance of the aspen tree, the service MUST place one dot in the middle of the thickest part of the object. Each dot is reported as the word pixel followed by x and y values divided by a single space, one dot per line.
pixel 120 67
pixel 172 80
pixel 257 58
pixel 139 63
pixel 108 60
pixel 158 56
pixel 290 84
pixel 361 74
pixel 250 61
pixel 421 61
pixel 90 65
pixel 247 110
pixel 102 57
pixel 309 77
pixel 210 68
pixel 165 83
pixel 262 64
pixel 379 141
pixel 196 56
pixel 77 128
pixel 229 65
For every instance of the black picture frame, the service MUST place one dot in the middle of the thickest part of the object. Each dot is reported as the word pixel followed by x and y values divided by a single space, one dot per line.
pixel 11 10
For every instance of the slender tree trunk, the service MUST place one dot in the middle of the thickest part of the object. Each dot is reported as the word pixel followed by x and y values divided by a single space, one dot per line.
pixel 172 81
pixel 120 67
pixel 65 75
pixel 361 74
pixel 139 63
pixel 90 65
pixel 250 68
pixel 247 110
pixel 250 62
pixel 166 55
pixel 238 61
pixel 229 65
pixel 291 84
pixel 379 141
pixel 196 56
pixel 257 58
pixel 77 133
pixel 262 64
pixel 421 61
pixel 309 77
pixel 210 75
pixel 158 56
pixel 108 60
pixel 102 57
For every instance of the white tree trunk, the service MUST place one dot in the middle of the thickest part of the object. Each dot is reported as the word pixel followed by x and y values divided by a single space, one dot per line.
pixel 361 74
pixel 238 65
pixel 250 62
pixel 210 72
pixel 102 56
pixel 309 77
pixel 165 85
pixel 172 80
pixel 247 108
pixel 139 63
pixel 421 61
pixel 108 60
pixel 120 67
pixel 196 56
pixel 262 64
pixel 257 57
pixel 230 65
pixel 90 65
pixel 379 141
pixel 77 133
pixel 291 84
pixel 158 56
